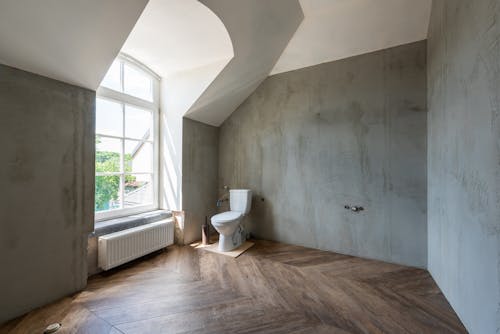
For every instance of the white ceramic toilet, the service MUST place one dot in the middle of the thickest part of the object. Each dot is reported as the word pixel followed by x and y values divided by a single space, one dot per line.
pixel 231 234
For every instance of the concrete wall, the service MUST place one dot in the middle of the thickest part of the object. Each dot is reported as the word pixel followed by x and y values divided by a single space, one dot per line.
pixel 464 158
pixel 352 131
pixel 47 189
pixel 199 176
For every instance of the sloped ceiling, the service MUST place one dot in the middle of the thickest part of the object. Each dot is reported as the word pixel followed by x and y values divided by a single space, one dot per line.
pixel 71 41
pixel 260 31
pixel 336 29
pixel 215 52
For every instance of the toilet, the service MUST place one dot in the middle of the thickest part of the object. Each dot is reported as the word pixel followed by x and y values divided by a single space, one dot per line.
pixel 228 224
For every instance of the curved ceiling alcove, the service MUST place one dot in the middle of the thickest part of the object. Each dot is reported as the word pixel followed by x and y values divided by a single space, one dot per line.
pixel 178 35
pixel 212 53
pixel 185 43
pixel 260 31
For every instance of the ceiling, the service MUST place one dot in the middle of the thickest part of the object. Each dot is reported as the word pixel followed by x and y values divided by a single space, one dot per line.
pixel 71 41
pixel 336 29
pixel 212 54
pixel 178 35
pixel 260 31
pixel 186 43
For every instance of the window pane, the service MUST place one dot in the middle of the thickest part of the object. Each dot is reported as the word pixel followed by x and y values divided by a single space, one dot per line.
pixel 112 78
pixel 109 118
pixel 138 190
pixel 107 192
pixel 138 123
pixel 138 157
pixel 107 155
pixel 137 83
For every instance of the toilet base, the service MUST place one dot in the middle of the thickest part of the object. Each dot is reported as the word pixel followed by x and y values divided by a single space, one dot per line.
pixel 229 242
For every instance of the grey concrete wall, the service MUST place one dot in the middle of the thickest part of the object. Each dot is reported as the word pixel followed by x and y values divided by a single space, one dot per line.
pixel 47 189
pixel 200 154
pixel 353 131
pixel 464 158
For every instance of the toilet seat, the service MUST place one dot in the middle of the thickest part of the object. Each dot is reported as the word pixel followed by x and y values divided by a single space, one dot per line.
pixel 226 217
pixel 228 226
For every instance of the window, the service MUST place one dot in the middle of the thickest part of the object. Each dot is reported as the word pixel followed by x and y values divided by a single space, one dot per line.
pixel 126 164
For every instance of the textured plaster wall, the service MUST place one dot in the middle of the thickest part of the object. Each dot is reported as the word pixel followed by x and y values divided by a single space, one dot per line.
pixel 464 158
pixel 199 176
pixel 47 182
pixel 352 131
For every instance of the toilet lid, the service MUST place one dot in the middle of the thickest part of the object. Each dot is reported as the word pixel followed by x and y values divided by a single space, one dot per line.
pixel 226 216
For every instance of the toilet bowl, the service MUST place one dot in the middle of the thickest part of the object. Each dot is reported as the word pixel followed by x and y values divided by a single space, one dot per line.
pixel 228 224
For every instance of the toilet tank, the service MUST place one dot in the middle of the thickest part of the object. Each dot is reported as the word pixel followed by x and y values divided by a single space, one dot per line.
pixel 240 200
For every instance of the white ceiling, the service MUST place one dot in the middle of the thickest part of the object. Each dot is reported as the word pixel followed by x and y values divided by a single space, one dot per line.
pixel 336 29
pixel 186 43
pixel 178 35
pixel 213 53
pixel 260 30
pixel 71 41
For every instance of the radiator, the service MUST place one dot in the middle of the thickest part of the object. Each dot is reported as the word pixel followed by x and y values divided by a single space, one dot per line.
pixel 123 246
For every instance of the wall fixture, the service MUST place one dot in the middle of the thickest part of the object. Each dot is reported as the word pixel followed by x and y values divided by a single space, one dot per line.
pixel 354 208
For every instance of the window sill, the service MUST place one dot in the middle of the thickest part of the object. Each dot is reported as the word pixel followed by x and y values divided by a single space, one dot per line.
pixel 123 213
pixel 119 224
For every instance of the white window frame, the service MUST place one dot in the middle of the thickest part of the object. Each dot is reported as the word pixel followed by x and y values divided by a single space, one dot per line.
pixel 125 99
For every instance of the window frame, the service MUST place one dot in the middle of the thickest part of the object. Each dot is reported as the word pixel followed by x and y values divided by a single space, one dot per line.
pixel 126 99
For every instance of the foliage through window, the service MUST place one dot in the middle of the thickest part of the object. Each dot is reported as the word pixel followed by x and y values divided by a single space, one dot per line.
pixel 125 162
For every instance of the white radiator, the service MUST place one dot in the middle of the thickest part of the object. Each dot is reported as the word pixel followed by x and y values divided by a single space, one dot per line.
pixel 123 246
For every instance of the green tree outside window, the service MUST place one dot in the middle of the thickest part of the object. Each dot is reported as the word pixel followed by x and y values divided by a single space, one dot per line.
pixel 107 187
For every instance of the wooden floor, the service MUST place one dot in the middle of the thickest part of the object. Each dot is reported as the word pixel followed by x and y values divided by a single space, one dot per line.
pixel 272 288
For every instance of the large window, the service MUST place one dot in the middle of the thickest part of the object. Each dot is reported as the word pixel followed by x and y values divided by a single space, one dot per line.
pixel 126 163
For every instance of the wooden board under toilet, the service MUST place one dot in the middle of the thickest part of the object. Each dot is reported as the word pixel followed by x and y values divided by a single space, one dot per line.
pixel 234 253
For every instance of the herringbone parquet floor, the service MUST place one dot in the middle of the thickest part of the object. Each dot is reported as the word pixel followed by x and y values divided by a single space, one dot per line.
pixel 272 288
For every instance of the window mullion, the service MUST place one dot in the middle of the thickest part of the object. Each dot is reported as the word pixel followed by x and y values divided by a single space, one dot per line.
pixel 122 77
